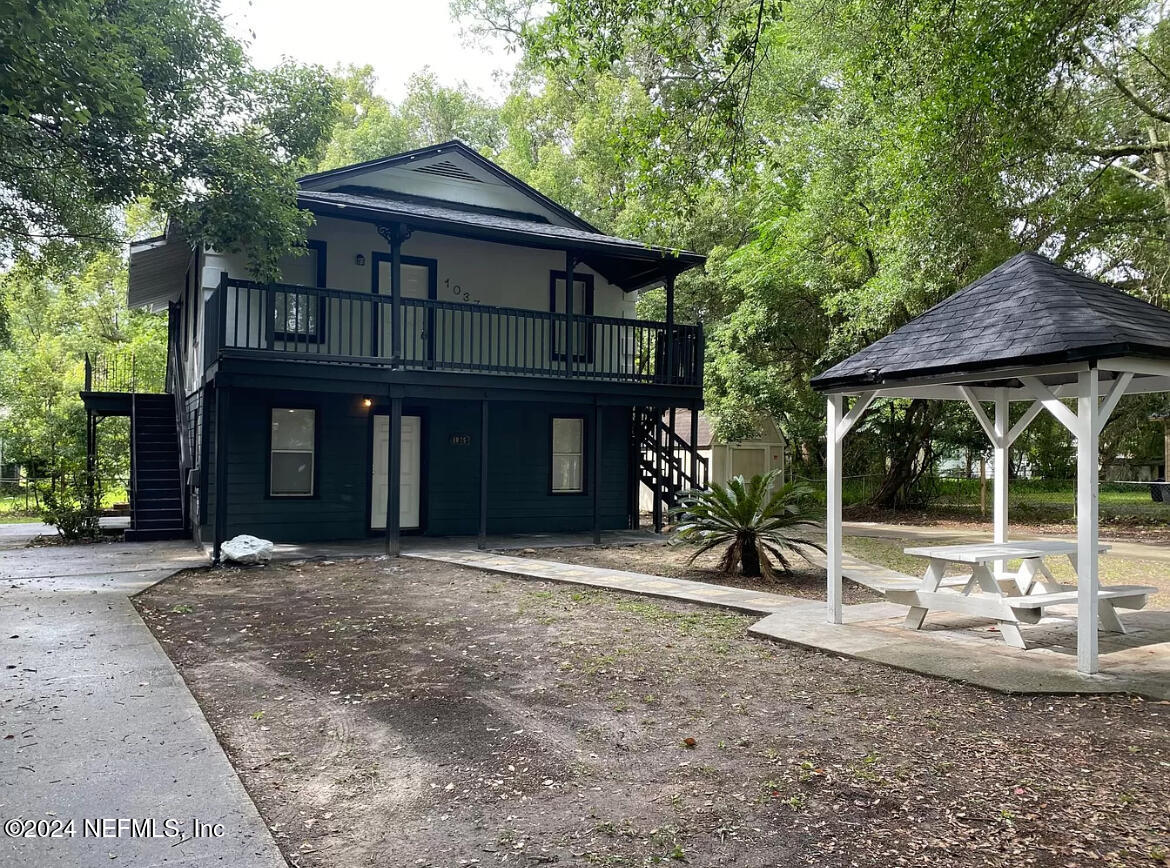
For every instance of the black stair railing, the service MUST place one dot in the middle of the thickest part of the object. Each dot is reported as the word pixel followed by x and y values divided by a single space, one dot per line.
pixel 667 463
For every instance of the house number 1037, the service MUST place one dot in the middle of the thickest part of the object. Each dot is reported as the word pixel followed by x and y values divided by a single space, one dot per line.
pixel 459 292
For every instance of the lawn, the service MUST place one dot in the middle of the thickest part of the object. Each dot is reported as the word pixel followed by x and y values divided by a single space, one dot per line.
pixel 409 713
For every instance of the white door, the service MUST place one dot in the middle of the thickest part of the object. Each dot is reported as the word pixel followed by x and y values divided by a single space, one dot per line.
pixel 411 488
pixel 416 283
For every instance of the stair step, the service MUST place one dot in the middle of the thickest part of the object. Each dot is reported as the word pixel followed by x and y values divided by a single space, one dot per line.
pixel 155 535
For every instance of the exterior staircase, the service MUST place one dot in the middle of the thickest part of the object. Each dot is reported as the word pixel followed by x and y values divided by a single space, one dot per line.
pixel 156 485
pixel 666 464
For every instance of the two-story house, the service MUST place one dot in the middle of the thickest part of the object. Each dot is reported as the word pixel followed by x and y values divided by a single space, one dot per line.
pixel 454 354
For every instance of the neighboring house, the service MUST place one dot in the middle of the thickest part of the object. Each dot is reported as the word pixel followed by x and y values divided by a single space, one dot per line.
pixel 724 459
pixel 422 361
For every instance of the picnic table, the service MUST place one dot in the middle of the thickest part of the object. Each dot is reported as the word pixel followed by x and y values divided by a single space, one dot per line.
pixel 1010 598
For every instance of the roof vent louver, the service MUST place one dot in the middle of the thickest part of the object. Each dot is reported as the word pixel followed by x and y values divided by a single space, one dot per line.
pixel 447 169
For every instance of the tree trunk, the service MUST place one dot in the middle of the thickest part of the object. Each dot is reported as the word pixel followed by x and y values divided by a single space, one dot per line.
pixel 749 558
pixel 907 462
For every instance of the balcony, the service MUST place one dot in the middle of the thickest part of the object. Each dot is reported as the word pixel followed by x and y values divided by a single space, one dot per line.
pixel 256 320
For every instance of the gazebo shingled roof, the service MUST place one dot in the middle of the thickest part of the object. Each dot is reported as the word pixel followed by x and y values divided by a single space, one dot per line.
pixel 1027 311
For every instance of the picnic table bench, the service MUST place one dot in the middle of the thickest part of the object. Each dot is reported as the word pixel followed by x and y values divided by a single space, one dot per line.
pixel 1010 599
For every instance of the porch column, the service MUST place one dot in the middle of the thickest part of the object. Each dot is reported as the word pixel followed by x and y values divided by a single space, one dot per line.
pixel 394 480
pixel 1088 436
pixel 669 378
pixel 221 463
pixel 836 407
pixel 1002 451
pixel 483 472
pixel 570 262
pixel 695 447
pixel 595 472
pixel 395 235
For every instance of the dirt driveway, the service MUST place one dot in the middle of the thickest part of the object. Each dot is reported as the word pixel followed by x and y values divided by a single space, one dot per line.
pixel 406 713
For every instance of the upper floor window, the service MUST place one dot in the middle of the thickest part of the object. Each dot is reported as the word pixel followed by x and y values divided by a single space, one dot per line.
pixel 301 316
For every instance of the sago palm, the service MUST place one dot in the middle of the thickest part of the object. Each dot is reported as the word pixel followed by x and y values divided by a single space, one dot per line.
pixel 751 520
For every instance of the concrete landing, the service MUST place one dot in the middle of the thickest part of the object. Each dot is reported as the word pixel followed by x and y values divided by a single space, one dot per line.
pixel 97 725
pixel 959 648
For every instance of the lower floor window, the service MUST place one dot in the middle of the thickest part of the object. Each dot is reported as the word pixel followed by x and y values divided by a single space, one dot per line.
pixel 293 452
pixel 568 447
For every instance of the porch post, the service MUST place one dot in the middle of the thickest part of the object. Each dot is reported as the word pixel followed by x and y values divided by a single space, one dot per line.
pixel 836 406
pixel 483 472
pixel 1088 484
pixel 395 235
pixel 695 447
pixel 669 378
pixel 1002 470
pixel 595 472
pixel 394 479
pixel 221 462
pixel 570 262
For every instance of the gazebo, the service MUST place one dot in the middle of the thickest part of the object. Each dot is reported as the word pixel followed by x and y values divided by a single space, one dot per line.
pixel 1027 331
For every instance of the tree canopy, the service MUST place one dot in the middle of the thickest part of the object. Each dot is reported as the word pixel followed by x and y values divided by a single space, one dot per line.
pixel 105 103
pixel 846 165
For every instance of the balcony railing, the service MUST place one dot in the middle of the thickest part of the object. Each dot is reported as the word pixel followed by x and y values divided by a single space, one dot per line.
pixel 124 371
pixel 330 325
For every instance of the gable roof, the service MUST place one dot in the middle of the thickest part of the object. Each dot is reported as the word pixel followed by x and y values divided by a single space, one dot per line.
pixel 1026 311
pixel 443 167
pixel 465 194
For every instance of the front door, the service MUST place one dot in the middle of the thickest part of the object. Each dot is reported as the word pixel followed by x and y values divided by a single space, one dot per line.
pixel 410 491
pixel 418 281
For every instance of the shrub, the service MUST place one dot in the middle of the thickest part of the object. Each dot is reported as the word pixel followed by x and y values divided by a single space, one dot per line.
pixel 751 520
pixel 71 512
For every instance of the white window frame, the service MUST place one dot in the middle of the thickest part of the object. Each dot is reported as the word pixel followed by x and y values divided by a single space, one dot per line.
pixel 553 453
pixel 311 452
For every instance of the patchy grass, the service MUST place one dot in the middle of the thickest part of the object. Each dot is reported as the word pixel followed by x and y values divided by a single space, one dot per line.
pixel 407 712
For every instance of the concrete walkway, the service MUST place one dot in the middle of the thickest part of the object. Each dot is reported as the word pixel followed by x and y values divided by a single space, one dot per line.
pixel 614 580
pixel 96 724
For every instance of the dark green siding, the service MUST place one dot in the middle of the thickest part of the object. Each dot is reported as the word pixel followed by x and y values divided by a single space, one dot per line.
pixel 338 510
pixel 518 481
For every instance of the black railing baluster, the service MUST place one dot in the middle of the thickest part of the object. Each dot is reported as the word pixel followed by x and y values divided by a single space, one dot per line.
pixel 441 334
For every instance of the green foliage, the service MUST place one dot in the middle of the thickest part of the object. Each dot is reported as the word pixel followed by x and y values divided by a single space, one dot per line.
pixel 58 314
pixel 846 165
pixel 752 519
pixel 369 126
pixel 72 512
pixel 101 103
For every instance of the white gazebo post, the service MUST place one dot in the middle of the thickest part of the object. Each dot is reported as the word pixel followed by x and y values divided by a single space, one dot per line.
pixel 1088 460
pixel 1003 448
pixel 833 500
pixel 839 424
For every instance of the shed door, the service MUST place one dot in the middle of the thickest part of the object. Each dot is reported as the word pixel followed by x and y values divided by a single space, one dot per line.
pixel 411 487
pixel 747 461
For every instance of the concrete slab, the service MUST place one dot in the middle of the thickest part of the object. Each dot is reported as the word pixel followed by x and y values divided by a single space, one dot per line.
pixel 96 724
pixel 970 650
